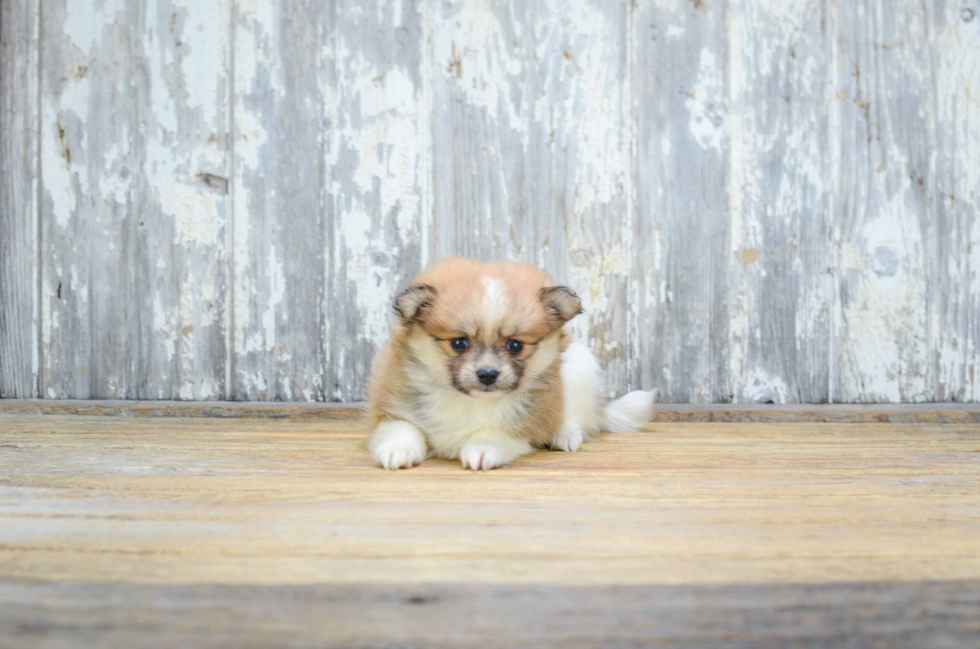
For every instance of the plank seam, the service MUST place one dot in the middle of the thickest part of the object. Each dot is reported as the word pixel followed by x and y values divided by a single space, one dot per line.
pixel 230 217
pixel 133 367
pixel 935 271
pixel 631 147
pixel 922 413
pixel 38 360
pixel 830 182
pixel 428 167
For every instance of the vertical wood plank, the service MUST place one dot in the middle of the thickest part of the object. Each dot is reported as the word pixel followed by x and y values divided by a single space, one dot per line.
pixel 782 289
pixel 682 265
pixel 479 54
pixel 956 277
pixel 882 120
pixel 133 166
pixel 89 95
pixel 532 150
pixel 184 159
pixel 283 79
pixel 18 198
pixel 378 180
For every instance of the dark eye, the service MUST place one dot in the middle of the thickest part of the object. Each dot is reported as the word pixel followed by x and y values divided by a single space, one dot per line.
pixel 459 344
pixel 515 347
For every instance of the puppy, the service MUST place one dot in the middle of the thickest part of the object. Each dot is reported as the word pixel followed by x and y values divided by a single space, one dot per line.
pixel 479 368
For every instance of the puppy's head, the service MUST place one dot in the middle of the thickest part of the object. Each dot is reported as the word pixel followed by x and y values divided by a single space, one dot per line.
pixel 484 328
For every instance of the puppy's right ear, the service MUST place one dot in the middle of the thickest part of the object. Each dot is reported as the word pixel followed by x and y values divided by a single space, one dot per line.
pixel 414 303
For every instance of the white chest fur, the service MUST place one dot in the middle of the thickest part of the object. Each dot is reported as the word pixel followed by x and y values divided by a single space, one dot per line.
pixel 449 419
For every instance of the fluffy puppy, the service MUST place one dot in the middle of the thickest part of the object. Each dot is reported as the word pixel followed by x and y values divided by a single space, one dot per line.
pixel 479 368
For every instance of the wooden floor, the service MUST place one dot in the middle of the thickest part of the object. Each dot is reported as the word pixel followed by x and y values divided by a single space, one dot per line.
pixel 130 531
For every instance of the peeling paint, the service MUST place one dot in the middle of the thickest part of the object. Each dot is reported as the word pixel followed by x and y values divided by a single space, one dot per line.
pixel 86 20
pixel 763 203
pixel 708 113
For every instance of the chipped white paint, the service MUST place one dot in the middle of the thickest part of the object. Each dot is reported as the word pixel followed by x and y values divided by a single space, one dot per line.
pixel 780 291
pixel 86 21
pixel 707 111
pixel 956 317
pixel 56 168
pixel 885 215
pixel 134 170
pixel 185 46
pixel 757 200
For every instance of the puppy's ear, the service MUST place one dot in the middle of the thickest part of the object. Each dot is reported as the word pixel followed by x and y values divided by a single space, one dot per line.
pixel 414 303
pixel 561 303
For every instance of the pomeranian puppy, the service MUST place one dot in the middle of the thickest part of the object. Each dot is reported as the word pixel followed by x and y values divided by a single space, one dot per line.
pixel 479 368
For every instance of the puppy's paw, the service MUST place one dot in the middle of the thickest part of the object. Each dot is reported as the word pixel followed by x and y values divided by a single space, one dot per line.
pixel 399 454
pixel 568 439
pixel 482 457
pixel 397 445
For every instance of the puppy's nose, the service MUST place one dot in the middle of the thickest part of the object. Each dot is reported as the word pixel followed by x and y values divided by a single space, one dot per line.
pixel 487 375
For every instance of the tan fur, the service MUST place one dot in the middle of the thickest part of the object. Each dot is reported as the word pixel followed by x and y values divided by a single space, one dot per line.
pixel 387 374
pixel 545 417
pixel 458 284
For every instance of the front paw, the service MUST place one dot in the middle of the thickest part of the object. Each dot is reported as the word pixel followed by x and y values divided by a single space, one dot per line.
pixel 567 439
pixel 482 457
pixel 398 454
pixel 397 444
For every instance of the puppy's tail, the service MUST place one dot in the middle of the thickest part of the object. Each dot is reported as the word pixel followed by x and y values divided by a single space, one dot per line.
pixel 629 412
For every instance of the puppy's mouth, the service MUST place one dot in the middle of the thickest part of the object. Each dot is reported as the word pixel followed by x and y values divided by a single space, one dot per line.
pixel 482 390
pixel 488 390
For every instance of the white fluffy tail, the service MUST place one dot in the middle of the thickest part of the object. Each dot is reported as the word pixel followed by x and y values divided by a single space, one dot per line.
pixel 629 412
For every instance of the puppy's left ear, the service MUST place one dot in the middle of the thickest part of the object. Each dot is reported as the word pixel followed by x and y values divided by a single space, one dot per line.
pixel 561 303
pixel 414 303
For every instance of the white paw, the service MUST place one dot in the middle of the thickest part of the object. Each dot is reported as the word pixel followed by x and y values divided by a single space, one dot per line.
pixel 482 457
pixel 568 439
pixel 399 454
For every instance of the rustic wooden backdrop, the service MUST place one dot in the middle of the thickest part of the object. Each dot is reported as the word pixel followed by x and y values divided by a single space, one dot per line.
pixel 759 200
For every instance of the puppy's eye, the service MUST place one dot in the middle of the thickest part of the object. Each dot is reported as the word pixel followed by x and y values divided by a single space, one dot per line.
pixel 515 347
pixel 459 344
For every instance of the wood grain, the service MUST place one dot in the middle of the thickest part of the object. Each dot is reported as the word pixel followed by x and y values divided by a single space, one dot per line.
pixel 134 174
pixel 682 233
pixel 283 78
pixel 757 200
pixel 955 258
pixel 183 209
pixel 940 615
pixel 19 115
pixel 781 257
pixel 674 413
pixel 131 532
pixel 330 191
pixel 379 182
pixel 89 201
pixel 260 501
pixel 882 116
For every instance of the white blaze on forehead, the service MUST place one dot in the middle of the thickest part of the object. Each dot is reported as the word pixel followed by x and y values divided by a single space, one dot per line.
pixel 494 307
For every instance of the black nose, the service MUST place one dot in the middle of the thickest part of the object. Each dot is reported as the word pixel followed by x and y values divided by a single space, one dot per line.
pixel 487 375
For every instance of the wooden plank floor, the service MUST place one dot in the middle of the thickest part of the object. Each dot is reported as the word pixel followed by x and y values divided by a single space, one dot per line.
pixel 280 532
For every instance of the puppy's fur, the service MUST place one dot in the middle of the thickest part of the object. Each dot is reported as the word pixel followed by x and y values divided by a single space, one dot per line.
pixel 462 320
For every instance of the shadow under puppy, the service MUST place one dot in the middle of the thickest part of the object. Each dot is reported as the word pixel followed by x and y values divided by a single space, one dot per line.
pixel 479 368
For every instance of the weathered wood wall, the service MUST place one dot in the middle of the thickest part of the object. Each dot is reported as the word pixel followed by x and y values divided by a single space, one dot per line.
pixel 759 200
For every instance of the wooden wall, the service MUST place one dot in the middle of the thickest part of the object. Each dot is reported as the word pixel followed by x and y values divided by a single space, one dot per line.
pixel 759 200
